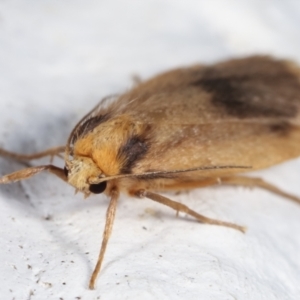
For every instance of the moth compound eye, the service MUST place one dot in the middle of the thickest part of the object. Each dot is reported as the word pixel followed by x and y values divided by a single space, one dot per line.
pixel 66 171
pixel 98 188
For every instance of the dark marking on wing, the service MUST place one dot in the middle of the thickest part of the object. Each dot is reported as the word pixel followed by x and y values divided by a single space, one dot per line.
pixel 257 87
pixel 281 128
pixel 135 149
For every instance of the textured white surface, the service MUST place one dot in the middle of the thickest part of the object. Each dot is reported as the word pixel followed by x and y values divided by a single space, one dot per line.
pixel 57 59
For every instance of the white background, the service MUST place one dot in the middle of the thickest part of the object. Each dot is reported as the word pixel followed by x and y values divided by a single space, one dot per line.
pixel 57 59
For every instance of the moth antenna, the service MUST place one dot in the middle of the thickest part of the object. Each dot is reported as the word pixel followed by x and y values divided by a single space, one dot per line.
pixel 23 157
pixel 169 172
pixel 29 172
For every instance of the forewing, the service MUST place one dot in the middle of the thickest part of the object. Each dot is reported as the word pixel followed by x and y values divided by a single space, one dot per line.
pixel 241 112
pixel 258 88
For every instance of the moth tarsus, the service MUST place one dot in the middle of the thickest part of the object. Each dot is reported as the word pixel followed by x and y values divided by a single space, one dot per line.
pixel 187 128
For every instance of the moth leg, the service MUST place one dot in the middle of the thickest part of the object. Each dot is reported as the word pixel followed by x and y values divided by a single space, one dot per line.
pixel 110 216
pixel 179 207
pixel 235 180
pixel 257 182
pixel 191 185
pixel 24 157
pixel 29 172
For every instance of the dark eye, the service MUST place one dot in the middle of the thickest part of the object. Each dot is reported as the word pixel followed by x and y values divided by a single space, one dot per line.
pixel 98 188
pixel 66 171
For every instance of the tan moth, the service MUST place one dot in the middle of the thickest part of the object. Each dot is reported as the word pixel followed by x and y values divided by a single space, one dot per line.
pixel 186 128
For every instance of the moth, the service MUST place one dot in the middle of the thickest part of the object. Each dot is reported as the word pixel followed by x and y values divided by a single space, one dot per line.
pixel 187 128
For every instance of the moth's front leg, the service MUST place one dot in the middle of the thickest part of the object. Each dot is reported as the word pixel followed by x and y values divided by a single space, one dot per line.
pixel 110 217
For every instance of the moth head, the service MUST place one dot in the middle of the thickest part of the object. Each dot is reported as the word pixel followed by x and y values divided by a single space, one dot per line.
pixel 83 174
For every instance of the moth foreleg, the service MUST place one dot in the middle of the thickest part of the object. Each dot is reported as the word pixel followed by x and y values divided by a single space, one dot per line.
pixel 110 216
pixel 179 207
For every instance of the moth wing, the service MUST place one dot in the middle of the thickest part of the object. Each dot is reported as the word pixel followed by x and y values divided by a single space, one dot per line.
pixel 252 145
pixel 256 88
pixel 242 112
